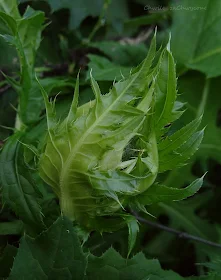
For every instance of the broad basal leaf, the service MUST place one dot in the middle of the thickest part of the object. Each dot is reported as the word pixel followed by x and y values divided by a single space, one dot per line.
pixel 112 266
pixel 195 35
pixel 54 254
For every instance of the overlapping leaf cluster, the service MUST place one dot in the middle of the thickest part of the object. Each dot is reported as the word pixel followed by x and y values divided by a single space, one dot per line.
pixel 106 155
pixel 25 34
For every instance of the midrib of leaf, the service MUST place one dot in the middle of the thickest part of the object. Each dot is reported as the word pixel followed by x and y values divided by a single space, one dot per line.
pixel 18 178
pixel 205 55
pixel 169 93
pixel 80 143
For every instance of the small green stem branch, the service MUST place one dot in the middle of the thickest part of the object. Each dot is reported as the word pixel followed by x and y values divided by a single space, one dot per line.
pixel 100 22
pixel 180 234
pixel 204 98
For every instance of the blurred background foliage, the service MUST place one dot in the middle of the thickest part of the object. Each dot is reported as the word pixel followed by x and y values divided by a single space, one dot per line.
pixel 110 37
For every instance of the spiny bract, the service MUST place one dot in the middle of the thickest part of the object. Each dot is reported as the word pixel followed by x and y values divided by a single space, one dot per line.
pixel 106 154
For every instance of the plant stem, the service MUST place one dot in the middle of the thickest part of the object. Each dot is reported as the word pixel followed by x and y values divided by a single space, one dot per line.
pixel 100 21
pixel 204 98
pixel 180 234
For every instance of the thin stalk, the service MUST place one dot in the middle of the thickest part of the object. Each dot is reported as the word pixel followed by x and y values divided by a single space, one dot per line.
pixel 204 98
pixel 180 234
pixel 100 22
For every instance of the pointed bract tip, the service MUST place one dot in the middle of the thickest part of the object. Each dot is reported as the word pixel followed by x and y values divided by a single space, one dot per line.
pixel 91 73
pixel 43 92
pixel 169 40
pixel 204 175
pixel 78 75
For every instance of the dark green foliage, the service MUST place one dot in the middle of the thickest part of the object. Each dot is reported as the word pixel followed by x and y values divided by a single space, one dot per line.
pixel 55 254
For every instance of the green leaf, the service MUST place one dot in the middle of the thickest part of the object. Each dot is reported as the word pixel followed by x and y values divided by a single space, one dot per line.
pixel 145 20
pixel 54 254
pixel 10 7
pixel 6 260
pixel 26 34
pixel 179 157
pixel 6 110
pixel 11 228
pixel 194 85
pixel 18 187
pixel 7 55
pixel 122 54
pixel 79 10
pixel 214 265
pixel 173 142
pixel 112 266
pixel 199 47
pixel 105 70
pixel 115 16
pixel 11 23
pixel 202 95
pixel 133 228
pixel 166 90
pixel 29 29
pixel 160 193
pixel 178 147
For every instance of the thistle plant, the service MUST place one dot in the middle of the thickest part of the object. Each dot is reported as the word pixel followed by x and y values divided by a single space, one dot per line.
pixel 105 156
